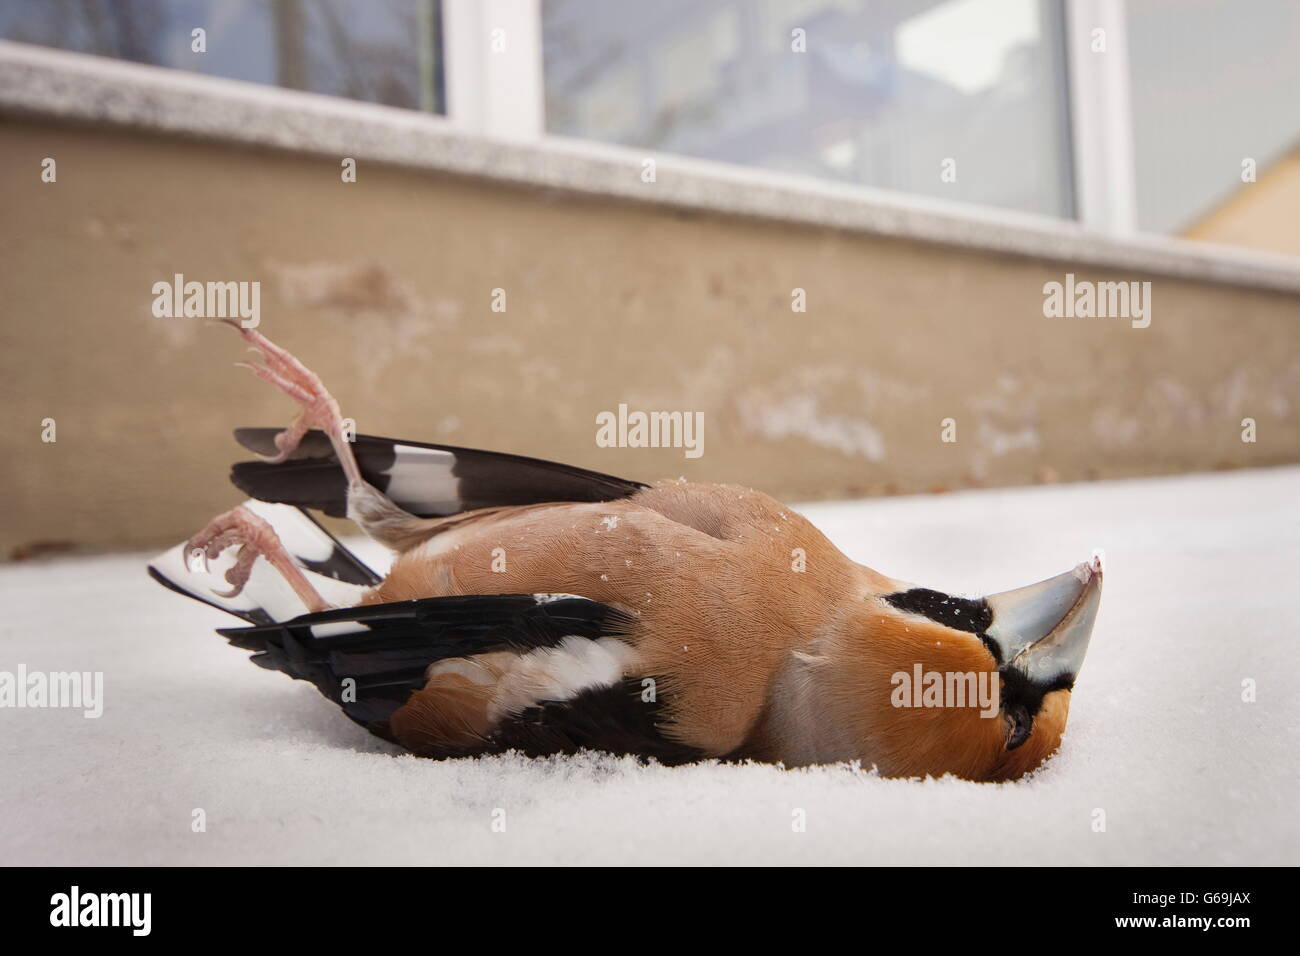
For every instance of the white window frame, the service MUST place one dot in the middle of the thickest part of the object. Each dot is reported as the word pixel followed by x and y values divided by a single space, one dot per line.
pixel 1101 116
pixel 492 63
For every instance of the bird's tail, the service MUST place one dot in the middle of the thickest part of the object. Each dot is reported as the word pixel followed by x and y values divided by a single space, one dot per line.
pixel 337 574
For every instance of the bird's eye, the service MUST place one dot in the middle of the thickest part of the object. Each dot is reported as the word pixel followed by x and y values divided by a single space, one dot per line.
pixel 1020 724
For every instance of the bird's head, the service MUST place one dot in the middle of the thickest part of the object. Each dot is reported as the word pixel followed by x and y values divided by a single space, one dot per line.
pixel 978 687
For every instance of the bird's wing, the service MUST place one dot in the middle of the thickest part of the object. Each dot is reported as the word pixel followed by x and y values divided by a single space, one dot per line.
pixel 386 649
pixel 423 479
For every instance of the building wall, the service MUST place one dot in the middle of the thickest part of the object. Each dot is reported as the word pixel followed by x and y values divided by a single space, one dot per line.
pixel 385 288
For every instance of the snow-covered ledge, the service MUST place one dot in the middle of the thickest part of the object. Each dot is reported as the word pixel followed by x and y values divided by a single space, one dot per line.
pixel 36 81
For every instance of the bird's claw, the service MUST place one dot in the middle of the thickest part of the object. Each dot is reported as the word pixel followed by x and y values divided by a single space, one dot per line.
pixel 240 528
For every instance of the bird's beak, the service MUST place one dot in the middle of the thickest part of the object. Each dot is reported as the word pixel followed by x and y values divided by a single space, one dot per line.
pixel 1043 629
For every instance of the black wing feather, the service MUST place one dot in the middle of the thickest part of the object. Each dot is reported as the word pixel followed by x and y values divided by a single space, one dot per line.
pixel 425 479
pixel 387 648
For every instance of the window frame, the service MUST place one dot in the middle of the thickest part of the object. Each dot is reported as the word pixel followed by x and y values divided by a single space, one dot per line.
pixel 504 96
pixel 1100 115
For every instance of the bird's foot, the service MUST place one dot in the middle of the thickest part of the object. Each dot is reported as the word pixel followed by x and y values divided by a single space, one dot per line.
pixel 319 408
pixel 254 537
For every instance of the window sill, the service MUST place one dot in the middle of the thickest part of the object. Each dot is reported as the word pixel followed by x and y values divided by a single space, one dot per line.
pixel 75 87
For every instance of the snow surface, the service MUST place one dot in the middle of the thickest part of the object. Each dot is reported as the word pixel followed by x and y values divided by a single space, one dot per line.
pixel 1201 593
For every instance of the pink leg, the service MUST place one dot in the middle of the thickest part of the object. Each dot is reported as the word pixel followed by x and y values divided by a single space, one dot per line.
pixel 254 537
pixel 319 409
pixel 369 507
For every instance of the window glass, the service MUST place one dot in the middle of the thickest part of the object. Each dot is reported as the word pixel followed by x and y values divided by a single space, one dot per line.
pixel 381 51
pixel 1213 84
pixel 963 99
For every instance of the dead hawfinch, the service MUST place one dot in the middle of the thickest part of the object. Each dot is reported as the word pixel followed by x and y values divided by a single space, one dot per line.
pixel 544 608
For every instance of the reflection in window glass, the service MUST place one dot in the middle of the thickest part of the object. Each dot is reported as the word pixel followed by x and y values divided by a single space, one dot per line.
pixel 383 51
pixel 880 92
pixel 1213 84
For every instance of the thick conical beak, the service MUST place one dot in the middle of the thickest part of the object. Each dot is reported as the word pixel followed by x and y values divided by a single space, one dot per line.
pixel 1043 630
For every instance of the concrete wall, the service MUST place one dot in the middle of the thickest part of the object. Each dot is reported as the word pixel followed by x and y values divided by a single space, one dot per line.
pixel 384 287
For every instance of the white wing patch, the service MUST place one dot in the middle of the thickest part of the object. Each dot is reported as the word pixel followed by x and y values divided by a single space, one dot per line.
pixel 421 481
pixel 555 596
pixel 548 673
pixel 560 673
